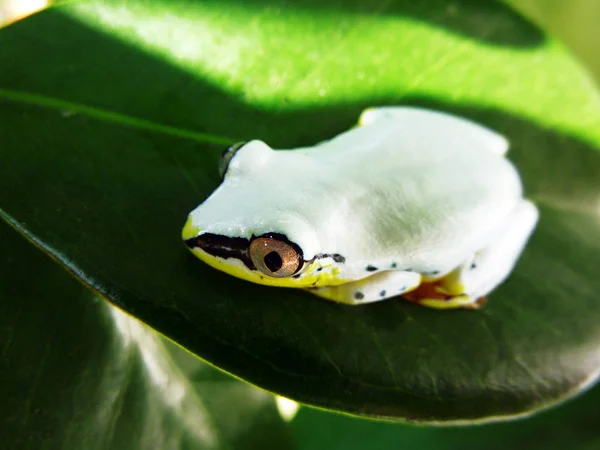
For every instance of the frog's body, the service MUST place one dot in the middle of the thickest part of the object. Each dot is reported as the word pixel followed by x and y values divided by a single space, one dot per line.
pixel 410 202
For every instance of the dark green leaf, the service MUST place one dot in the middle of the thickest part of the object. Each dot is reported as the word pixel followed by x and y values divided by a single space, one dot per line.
pixel 77 373
pixel 572 425
pixel 100 168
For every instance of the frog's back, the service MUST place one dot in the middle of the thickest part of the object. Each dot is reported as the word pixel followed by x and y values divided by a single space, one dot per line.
pixel 416 185
pixel 419 136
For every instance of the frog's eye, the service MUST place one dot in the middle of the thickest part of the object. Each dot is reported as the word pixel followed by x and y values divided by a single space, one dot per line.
pixel 274 257
pixel 228 156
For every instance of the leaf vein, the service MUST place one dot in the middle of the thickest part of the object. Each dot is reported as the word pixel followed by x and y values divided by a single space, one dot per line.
pixel 110 116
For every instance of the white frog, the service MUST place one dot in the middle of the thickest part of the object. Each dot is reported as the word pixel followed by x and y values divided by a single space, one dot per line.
pixel 411 202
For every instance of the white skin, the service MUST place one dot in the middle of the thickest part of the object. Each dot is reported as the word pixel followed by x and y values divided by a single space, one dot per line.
pixel 411 202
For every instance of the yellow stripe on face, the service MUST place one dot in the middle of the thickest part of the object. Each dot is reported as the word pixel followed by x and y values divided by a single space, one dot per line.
pixel 309 278
pixel 189 230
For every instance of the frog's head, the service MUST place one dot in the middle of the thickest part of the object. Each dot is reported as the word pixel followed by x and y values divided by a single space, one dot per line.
pixel 253 226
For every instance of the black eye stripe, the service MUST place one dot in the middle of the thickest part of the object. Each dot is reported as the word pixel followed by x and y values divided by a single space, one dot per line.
pixel 223 247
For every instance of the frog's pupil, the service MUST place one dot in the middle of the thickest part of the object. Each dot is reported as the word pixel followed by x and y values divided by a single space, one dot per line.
pixel 273 261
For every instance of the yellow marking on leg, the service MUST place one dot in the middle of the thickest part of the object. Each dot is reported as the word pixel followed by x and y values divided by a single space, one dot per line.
pixel 342 293
pixel 460 301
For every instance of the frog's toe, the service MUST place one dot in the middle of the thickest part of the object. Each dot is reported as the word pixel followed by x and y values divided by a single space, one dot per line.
pixel 457 301
pixel 460 301
pixel 441 294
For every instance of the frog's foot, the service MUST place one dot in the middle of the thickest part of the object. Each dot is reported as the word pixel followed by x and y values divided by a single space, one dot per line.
pixel 448 128
pixel 467 286
pixel 444 293
pixel 377 287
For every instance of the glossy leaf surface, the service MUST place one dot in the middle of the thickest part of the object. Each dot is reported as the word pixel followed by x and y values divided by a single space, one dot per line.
pixel 78 373
pixel 115 137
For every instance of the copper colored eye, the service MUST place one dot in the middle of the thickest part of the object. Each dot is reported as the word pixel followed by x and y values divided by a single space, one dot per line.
pixel 273 257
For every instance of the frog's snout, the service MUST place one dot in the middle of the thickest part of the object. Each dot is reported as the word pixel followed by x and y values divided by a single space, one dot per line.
pixel 190 232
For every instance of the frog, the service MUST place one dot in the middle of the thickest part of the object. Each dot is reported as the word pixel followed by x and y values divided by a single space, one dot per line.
pixel 410 203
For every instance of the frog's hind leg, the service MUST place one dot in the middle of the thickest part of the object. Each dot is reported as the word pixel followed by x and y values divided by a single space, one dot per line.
pixel 446 127
pixel 378 286
pixel 493 264
pixel 468 284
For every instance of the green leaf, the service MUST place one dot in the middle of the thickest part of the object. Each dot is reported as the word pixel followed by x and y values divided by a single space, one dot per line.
pixel 115 136
pixel 572 425
pixel 78 373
